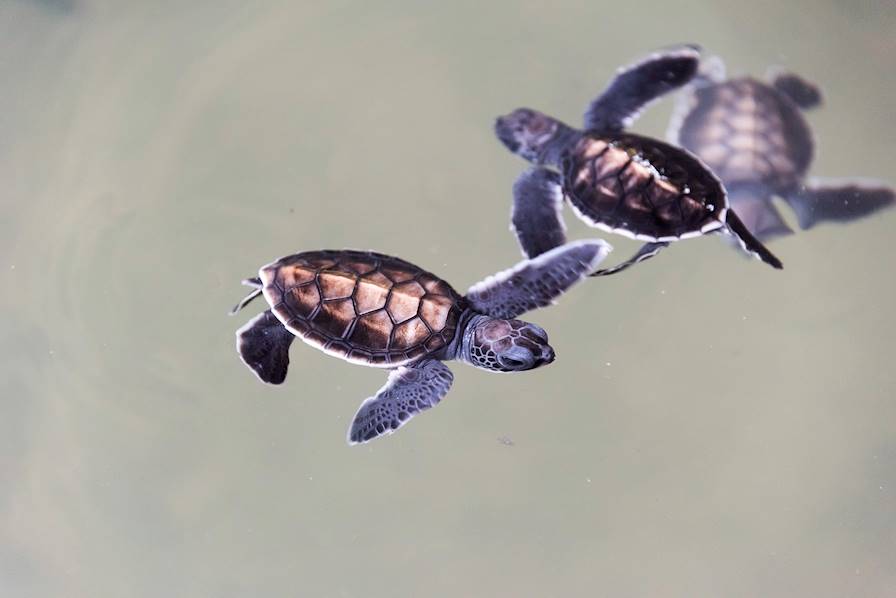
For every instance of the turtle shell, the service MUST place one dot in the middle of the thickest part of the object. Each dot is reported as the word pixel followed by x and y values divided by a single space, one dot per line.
pixel 364 307
pixel 642 188
pixel 748 132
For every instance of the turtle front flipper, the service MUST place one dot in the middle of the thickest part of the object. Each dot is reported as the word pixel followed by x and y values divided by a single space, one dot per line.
pixel 804 94
pixel 647 251
pixel 536 215
pixel 409 390
pixel 263 344
pixel 636 86
pixel 748 242
pixel 537 282
pixel 838 202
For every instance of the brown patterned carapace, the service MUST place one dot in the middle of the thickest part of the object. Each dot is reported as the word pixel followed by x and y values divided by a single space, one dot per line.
pixel 366 307
pixel 748 132
pixel 642 187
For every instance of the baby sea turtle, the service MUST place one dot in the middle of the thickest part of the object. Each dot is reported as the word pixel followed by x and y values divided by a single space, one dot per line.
pixel 616 181
pixel 753 135
pixel 381 311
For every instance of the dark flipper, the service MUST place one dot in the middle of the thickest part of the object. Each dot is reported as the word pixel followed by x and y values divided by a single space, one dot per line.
pixel 804 94
pixel 750 243
pixel 758 213
pixel 843 203
pixel 536 215
pixel 263 345
pixel 636 86
pixel 537 282
pixel 408 391
pixel 647 251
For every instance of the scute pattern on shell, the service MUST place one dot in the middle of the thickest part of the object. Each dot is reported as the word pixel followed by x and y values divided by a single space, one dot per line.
pixel 748 132
pixel 642 188
pixel 365 307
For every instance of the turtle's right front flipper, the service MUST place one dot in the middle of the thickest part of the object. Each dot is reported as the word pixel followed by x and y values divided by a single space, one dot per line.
pixel 408 391
pixel 638 85
pixel 536 215
pixel 263 344
pixel 832 202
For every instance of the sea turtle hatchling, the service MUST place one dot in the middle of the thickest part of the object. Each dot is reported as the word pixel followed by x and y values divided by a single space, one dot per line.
pixel 619 182
pixel 381 311
pixel 753 135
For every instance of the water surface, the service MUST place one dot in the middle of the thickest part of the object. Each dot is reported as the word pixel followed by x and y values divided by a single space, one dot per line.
pixel 711 427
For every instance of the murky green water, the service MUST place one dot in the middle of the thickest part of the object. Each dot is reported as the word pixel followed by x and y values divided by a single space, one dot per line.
pixel 711 427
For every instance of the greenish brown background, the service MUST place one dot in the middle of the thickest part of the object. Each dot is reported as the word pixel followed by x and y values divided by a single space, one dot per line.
pixel 711 427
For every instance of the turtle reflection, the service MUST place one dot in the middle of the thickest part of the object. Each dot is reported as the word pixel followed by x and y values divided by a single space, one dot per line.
pixel 753 135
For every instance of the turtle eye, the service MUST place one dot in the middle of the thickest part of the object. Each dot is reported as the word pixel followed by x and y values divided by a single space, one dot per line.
pixel 535 333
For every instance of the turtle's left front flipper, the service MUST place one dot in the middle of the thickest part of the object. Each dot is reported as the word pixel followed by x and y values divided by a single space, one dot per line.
pixel 636 86
pixel 832 202
pixel 537 282
pixel 408 391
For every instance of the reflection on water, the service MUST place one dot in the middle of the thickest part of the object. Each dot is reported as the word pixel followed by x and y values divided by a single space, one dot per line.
pixel 710 427
pixel 753 135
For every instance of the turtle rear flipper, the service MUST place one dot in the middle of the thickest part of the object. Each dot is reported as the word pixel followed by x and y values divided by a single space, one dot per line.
pixel 263 344
pixel 647 251
pixel 255 283
pixel 758 213
pixel 833 202
pixel 636 86
pixel 804 94
pixel 750 243
pixel 408 391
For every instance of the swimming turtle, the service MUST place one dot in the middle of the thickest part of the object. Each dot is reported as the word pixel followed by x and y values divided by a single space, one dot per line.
pixel 753 135
pixel 375 310
pixel 620 182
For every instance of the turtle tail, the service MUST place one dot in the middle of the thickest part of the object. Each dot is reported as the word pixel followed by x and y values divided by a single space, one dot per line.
pixel 750 243
pixel 255 283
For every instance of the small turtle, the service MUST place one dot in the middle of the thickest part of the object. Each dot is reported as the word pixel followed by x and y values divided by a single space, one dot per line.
pixel 620 182
pixel 753 135
pixel 381 311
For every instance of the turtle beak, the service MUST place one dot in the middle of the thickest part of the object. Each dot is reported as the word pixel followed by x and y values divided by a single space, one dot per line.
pixel 547 356
pixel 505 134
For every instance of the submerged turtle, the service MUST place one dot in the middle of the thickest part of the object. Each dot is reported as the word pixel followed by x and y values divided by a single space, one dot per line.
pixel 381 311
pixel 620 182
pixel 753 135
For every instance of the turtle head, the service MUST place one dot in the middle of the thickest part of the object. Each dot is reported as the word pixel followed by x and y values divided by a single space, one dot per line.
pixel 532 135
pixel 506 345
